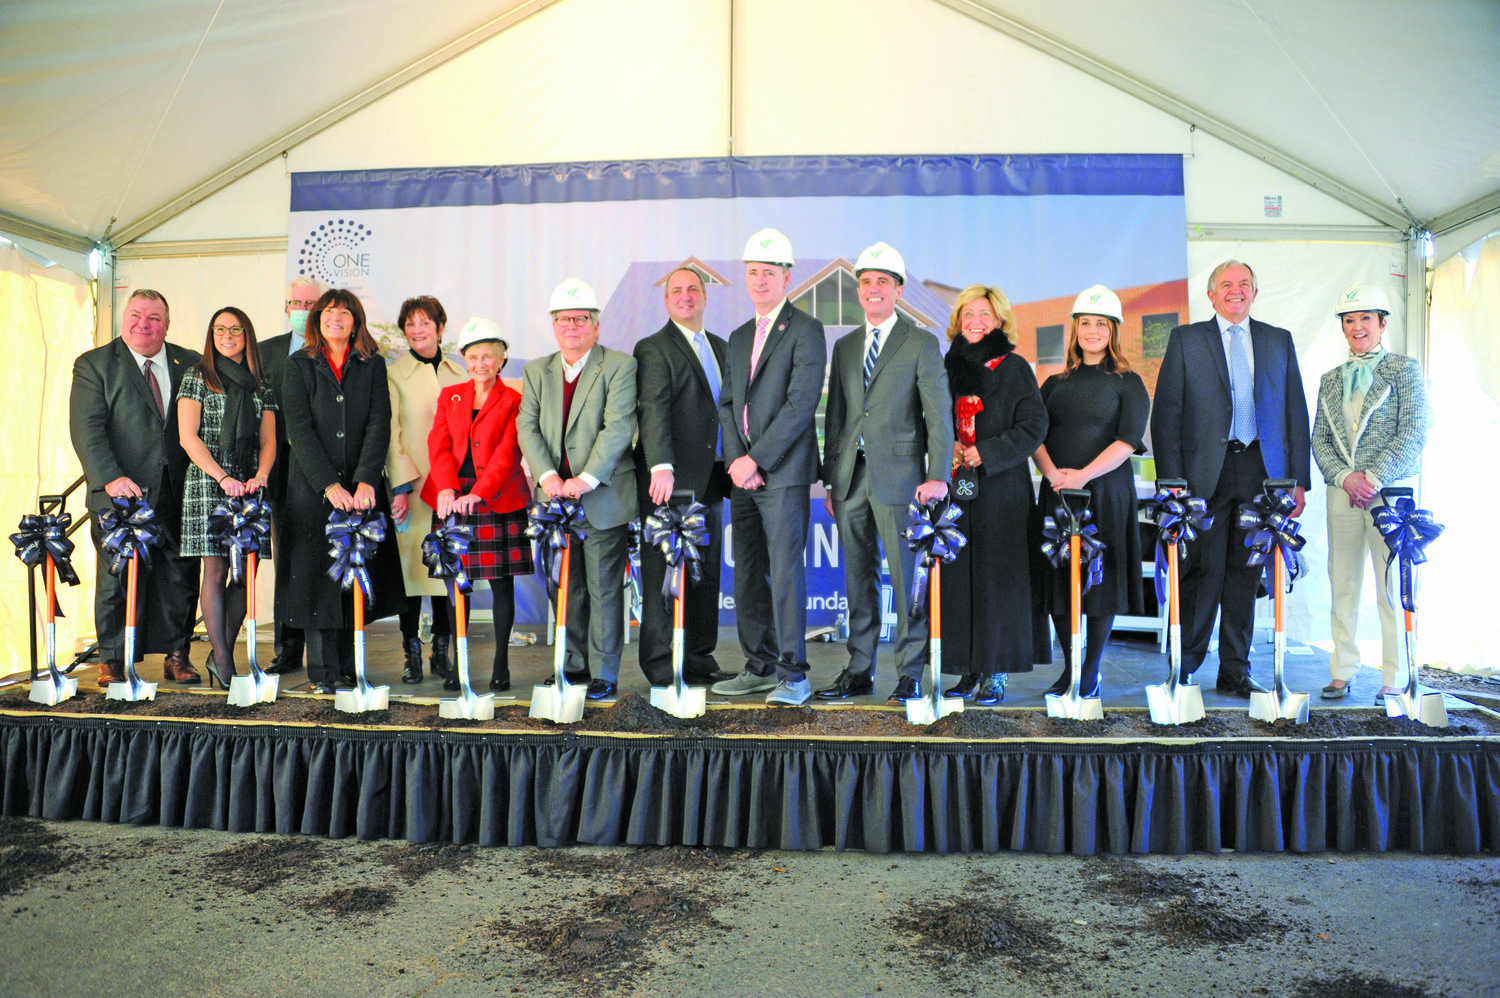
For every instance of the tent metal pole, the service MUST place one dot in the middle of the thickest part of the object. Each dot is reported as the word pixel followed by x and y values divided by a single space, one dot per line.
pixel 27 229
pixel 1479 208
pixel 1417 242
pixel 104 296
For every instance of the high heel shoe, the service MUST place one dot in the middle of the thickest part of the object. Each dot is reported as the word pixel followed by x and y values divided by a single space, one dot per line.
pixel 1060 687
pixel 212 668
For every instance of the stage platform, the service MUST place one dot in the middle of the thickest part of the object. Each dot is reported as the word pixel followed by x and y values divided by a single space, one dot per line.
pixel 855 776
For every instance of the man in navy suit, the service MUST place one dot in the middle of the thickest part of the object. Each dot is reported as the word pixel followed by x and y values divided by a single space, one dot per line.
pixel 1229 413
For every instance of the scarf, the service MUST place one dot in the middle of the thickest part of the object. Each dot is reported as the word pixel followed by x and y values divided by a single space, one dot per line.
pixel 239 437
pixel 1359 371
pixel 969 364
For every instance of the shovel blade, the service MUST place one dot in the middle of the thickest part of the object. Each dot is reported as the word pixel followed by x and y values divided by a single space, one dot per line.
pixel 357 701
pixel 127 690
pixel 1075 708
pixel 1182 704
pixel 247 691
pixel 690 701
pixel 53 690
pixel 925 711
pixel 562 702
pixel 1271 707
pixel 472 708
pixel 1426 706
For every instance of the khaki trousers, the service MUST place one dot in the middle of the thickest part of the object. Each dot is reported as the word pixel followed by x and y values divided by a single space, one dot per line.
pixel 1351 535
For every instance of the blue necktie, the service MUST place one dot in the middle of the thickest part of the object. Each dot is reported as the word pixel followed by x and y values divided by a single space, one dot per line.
pixel 711 372
pixel 1241 385
pixel 872 355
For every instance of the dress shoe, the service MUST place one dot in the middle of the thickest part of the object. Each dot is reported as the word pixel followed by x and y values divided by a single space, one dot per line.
pixel 326 689
pixel 348 678
pixel 991 689
pixel 177 669
pixel 907 688
pixel 701 678
pixel 1242 687
pixel 214 675
pixel 1332 692
pixel 283 664
pixel 112 671
pixel 964 688
pixel 575 678
pixel 599 689
pixel 847 685
pixel 498 684
pixel 744 684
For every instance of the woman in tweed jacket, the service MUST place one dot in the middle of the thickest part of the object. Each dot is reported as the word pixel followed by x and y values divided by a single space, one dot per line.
pixel 1369 431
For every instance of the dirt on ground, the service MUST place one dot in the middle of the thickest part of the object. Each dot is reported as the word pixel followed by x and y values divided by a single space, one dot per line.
pixel 633 714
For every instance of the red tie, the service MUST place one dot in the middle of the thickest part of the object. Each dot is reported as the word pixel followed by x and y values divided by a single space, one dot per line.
pixel 161 410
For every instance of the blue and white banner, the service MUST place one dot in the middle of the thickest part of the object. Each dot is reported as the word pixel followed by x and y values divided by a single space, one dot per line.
pixel 493 241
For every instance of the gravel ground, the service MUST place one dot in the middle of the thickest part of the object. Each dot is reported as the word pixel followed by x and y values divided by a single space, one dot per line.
pixel 93 909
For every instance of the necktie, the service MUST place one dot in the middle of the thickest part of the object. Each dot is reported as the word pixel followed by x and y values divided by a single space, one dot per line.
pixel 1241 385
pixel 762 323
pixel 161 410
pixel 711 372
pixel 872 354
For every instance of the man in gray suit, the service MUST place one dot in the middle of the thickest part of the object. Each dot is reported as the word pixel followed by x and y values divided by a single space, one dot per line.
pixel 575 424
pixel 122 416
pixel 888 438
pixel 767 411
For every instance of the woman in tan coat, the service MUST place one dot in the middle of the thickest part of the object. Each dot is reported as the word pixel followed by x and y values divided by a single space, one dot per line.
pixel 416 378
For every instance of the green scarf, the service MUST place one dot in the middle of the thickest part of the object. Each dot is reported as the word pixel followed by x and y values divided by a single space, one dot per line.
pixel 1359 371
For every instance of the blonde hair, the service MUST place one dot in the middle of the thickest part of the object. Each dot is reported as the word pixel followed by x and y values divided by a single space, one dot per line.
pixel 999 304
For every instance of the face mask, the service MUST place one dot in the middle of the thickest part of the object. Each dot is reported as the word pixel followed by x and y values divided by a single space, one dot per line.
pixel 297 319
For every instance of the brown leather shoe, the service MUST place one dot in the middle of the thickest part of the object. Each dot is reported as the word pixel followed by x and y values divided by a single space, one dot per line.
pixel 177 669
pixel 112 671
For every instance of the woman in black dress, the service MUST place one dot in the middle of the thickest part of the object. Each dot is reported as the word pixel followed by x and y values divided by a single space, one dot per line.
pixel 338 418
pixel 987 588
pixel 1097 409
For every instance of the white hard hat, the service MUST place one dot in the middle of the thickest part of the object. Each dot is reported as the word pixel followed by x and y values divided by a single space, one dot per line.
pixel 479 330
pixel 768 246
pixel 1363 298
pixel 1098 300
pixel 573 294
pixel 881 256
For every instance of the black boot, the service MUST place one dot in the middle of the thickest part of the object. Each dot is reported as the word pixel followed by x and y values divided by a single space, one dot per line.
pixel 438 661
pixel 412 649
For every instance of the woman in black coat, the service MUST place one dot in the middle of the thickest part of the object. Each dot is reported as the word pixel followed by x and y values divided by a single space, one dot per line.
pixel 338 416
pixel 987 589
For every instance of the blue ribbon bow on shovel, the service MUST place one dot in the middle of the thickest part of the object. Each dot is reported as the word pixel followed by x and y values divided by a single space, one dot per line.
pixel 1407 531
pixel 1057 528
pixel 43 534
pixel 130 528
pixel 1268 525
pixel 354 538
pixel 549 524
pixel 444 549
pixel 933 538
pixel 1179 518
pixel 680 533
pixel 240 524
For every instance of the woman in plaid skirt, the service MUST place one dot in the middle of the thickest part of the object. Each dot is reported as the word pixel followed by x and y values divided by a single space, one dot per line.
pixel 476 472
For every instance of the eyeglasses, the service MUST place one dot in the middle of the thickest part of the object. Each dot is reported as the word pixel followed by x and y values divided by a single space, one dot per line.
pixel 301 304
pixel 572 320
pixel 230 330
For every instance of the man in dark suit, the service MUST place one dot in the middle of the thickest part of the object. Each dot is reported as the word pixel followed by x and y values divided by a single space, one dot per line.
pixel 123 420
pixel 888 439
pixel 575 424
pixel 1229 413
pixel 301 295
pixel 768 414
pixel 679 379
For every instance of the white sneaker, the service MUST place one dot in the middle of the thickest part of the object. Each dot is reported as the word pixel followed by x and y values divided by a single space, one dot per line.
pixel 790 693
pixel 745 683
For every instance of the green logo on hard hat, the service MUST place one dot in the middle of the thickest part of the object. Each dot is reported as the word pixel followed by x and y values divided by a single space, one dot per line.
pixel 572 293
pixel 872 253
pixel 764 244
pixel 1351 294
pixel 1095 298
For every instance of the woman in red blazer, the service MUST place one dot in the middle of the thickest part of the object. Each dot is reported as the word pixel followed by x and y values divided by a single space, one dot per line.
pixel 476 472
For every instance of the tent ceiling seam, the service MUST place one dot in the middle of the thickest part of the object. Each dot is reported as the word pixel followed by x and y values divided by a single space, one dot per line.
pixel 1178 108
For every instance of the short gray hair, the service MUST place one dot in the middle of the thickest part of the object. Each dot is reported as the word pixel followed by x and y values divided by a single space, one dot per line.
pixel 1213 278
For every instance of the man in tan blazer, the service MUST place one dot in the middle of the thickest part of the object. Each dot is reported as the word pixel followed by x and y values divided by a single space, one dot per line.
pixel 576 422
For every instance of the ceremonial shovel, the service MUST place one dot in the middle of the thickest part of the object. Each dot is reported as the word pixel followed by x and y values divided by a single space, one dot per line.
pixel 1174 702
pixel 1417 702
pixel 934 705
pixel 133 688
pixel 1278 703
pixel 679 699
pixel 258 687
pixel 364 696
pixel 467 704
pixel 56 687
pixel 1070 704
pixel 562 701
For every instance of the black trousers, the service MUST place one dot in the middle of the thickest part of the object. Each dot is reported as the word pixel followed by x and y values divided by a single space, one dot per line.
pixel 770 581
pixel 700 609
pixel 166 597
pixel 1216 579
pixel 330 654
